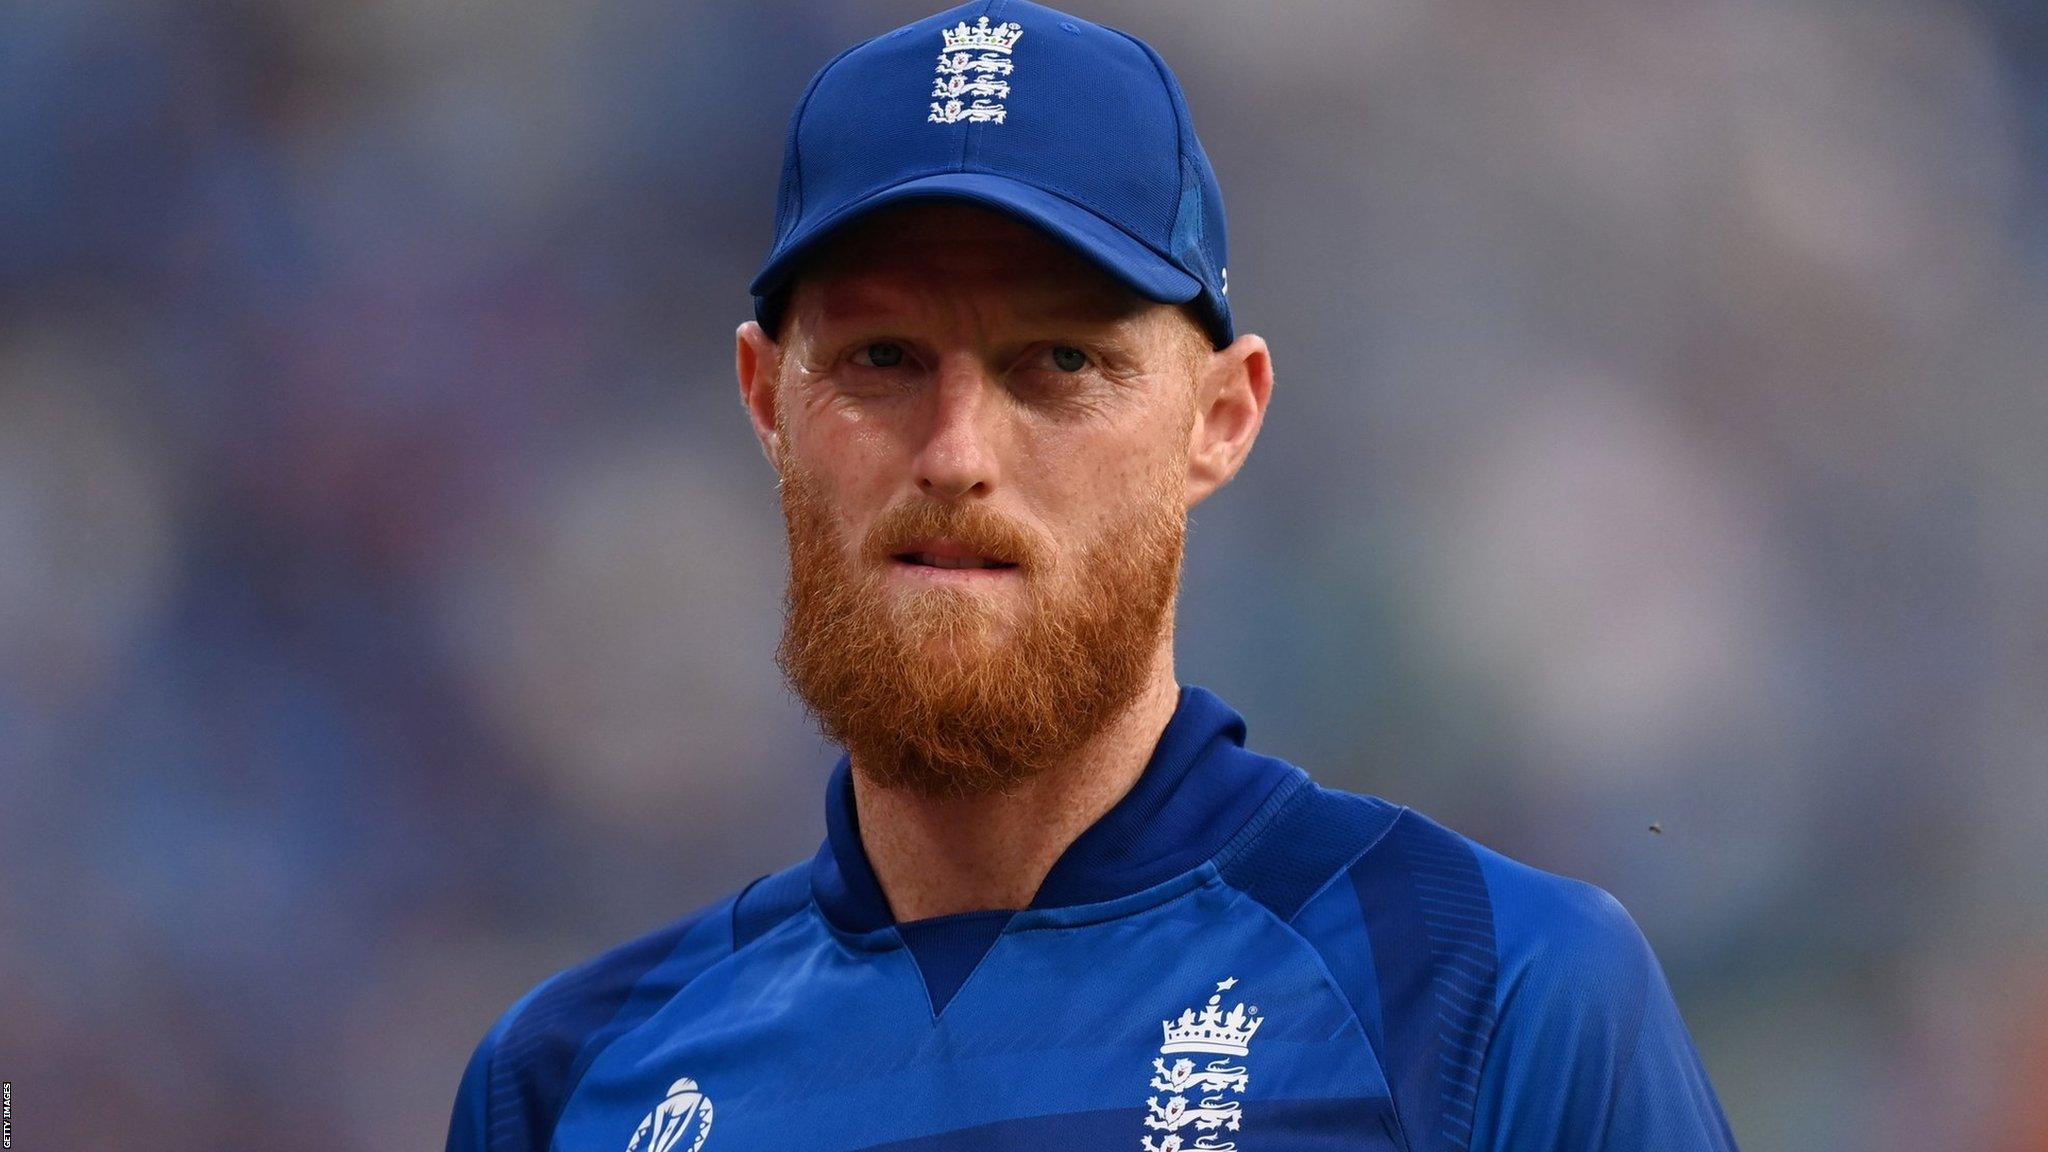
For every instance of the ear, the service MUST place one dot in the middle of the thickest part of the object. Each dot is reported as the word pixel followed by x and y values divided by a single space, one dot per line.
pixel 757 361
pixel 1232 388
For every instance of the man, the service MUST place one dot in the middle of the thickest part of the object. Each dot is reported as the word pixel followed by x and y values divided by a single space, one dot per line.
pixel 1060 904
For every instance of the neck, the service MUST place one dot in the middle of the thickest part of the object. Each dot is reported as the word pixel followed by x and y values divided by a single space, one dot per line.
pixel 937 857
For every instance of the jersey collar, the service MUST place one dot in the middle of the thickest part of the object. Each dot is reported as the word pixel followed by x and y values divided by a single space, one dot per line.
pixel 1198 789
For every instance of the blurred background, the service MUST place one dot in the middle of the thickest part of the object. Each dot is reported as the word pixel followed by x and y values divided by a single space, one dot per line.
pixel 389 580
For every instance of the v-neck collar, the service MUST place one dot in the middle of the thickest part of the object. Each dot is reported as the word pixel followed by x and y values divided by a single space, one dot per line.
pixel 1199 787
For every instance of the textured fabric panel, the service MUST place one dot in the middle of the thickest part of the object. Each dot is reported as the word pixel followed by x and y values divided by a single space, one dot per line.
pixel 1334 926
pixel 1310 840
pixel 527 1066
pixel 769 901
pixel 469 1125
pixel 1430 919
pixel 1581 990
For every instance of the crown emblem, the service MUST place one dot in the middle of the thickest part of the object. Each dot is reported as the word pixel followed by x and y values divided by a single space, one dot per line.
pixel 1204 1097
pixel 982 36
pixel 970 80
pixel 1212 1029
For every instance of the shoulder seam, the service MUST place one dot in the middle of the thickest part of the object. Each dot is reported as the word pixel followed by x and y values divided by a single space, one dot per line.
pixel 744 934
pixel 736 948
pixel 1429 943
pixel 732 922
pixel 1348 865
pixel 1280 807
pixel 569 1088
pixel 1329 979
pixel 1638 1010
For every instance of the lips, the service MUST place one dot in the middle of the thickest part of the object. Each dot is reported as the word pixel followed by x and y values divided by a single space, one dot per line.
pixel 931 561
pixel 948 555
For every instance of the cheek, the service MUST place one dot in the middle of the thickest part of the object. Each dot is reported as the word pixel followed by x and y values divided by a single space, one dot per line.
pixel 853 464
pixel 1094 488
pixel 849 427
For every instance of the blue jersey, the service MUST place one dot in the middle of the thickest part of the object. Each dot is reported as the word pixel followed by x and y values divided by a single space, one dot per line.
pixel 1233 957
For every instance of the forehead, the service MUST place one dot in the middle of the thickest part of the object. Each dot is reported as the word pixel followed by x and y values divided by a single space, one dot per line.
pixel 910 255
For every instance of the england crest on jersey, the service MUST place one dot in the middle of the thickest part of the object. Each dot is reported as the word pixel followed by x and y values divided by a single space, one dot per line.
pixel 1201 1093
pixel 678 1124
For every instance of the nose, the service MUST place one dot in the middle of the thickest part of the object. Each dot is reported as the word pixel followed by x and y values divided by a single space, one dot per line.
pixel 958 457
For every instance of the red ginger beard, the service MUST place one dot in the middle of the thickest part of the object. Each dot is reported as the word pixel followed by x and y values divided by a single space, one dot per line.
pixel 922 688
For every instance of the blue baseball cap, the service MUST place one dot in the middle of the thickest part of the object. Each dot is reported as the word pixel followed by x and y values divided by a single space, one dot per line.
pixel 1075 128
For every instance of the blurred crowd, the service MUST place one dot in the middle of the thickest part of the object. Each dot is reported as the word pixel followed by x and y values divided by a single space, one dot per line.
pixel 388 579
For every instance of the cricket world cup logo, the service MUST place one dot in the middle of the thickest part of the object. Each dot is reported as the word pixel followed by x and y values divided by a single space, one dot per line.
pixel 678 1124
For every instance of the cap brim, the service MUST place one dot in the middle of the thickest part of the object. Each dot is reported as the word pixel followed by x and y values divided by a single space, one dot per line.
pixel 1109 247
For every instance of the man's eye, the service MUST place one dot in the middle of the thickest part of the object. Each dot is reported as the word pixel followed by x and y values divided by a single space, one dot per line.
pixel 1069 359
pixel 879 355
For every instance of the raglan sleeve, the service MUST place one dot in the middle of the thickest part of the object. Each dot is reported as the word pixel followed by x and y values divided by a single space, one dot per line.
pixel 1589 1052
pixel 469 1125
pixel 466 1132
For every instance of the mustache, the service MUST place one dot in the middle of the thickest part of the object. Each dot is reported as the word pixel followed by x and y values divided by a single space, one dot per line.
pixel 975 527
